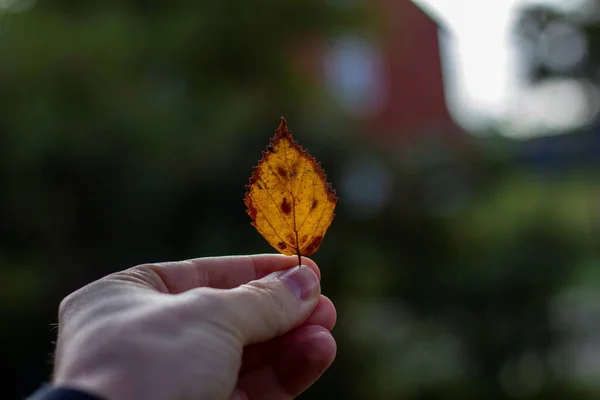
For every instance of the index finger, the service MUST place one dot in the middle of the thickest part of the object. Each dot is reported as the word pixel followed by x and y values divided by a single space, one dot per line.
pixel 222 272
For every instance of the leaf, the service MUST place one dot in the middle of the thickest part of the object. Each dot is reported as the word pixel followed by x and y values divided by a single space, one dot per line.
pixel 288 198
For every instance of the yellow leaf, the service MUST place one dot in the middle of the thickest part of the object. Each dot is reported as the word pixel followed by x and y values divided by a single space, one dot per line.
pixel 288 198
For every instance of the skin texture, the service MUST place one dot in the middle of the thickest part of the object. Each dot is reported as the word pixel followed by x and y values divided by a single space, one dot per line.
pixel 240 328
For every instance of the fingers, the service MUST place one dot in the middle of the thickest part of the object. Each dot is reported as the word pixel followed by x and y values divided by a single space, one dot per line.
pixel 303 356
pixel 324 314
pixel 265 308
pixel 310 353
pixel 218 272
pixel 258 355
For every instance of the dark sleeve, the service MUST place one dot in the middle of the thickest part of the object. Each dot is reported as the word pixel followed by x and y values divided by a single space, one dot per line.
pixel 49 392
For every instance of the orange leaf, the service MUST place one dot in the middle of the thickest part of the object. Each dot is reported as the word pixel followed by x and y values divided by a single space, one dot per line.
pixel 288 198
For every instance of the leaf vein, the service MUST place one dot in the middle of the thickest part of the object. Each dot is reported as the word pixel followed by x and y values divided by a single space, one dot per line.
pixel 289 174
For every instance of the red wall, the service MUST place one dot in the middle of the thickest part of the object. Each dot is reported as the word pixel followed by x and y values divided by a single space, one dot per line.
pixel 412 68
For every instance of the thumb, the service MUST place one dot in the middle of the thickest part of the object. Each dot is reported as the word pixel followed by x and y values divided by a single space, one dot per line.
pixel 268 307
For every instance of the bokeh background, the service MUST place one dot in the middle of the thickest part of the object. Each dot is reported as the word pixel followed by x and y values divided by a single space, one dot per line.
pixel 462 136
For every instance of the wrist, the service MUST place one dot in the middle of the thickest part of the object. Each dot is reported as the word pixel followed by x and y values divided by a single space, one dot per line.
pixel 101 384
pixel 50 392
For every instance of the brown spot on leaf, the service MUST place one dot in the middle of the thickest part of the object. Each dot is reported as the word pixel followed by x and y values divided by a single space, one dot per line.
pixel 312 246
pixel 281 172
pixel 314 204
pixel 282 246
pixel 294 170
pixel 286 207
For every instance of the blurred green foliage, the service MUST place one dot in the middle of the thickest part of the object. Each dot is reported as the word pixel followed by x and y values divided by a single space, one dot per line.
pixel 127 133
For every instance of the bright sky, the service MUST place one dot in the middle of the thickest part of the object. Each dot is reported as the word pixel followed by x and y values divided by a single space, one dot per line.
pixel 482 67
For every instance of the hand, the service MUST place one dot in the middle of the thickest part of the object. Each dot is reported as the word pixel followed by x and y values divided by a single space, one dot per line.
pixel 240 328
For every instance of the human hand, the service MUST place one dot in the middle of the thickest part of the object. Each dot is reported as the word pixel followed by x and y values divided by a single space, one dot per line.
pixel 239 328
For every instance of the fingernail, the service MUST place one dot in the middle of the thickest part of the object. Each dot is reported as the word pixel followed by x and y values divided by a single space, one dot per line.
pixel 302 281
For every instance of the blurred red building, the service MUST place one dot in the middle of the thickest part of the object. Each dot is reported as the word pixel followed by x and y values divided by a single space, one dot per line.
pixel 412 72
pixel 392 82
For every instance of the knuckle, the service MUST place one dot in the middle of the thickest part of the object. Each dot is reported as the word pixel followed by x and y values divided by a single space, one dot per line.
pixel 65 305
pixel 83 299
pixel 71 303
pixel 145 275
pixel 206 302
pixel 271 298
